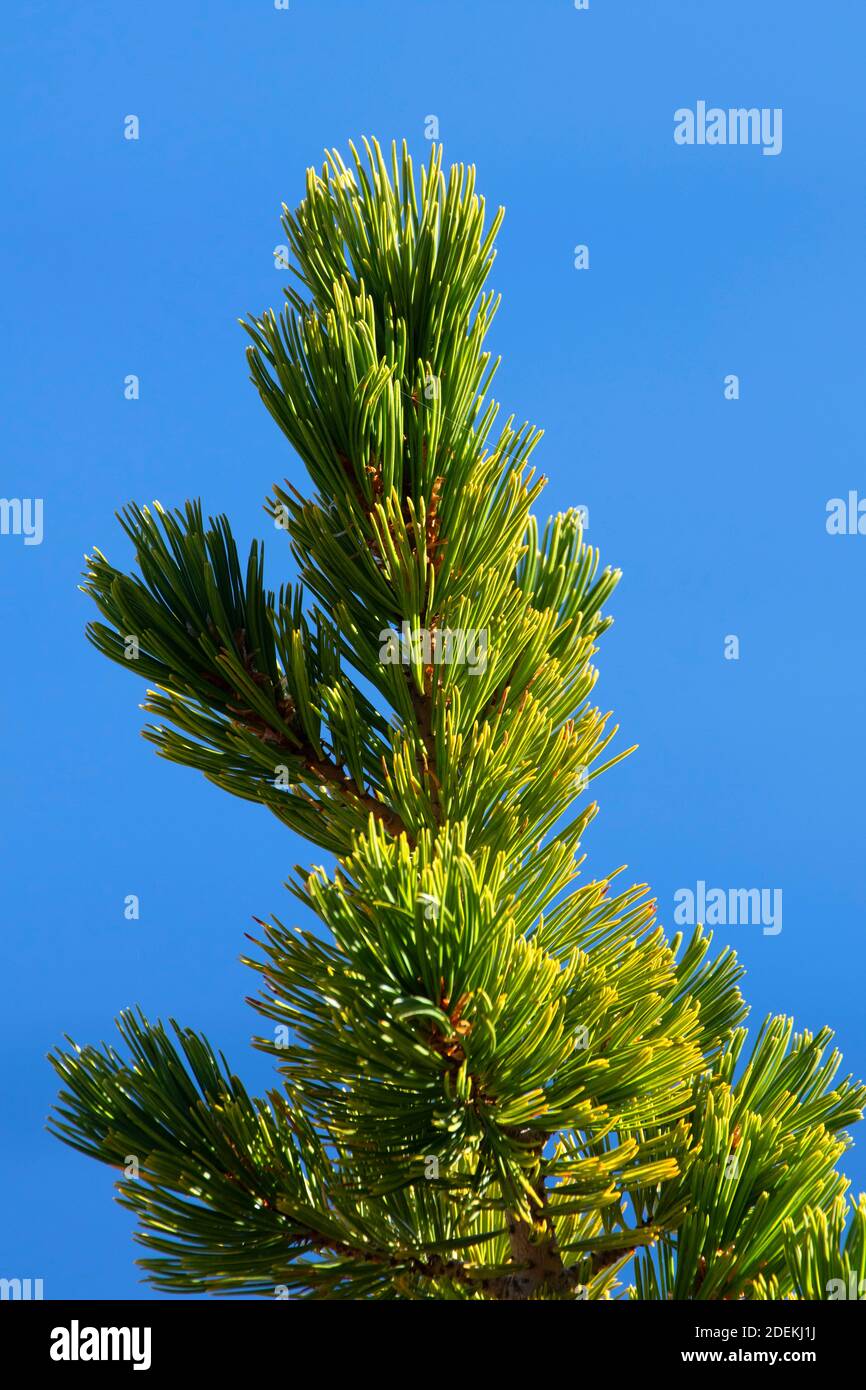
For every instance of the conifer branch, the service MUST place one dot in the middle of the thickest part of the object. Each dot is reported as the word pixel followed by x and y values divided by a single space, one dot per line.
pixel 500 1081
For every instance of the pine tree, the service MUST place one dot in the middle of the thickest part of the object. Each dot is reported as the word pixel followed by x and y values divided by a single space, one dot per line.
pixel 498 1080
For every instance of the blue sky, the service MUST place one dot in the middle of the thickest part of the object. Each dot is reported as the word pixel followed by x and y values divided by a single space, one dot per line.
pixel 137 257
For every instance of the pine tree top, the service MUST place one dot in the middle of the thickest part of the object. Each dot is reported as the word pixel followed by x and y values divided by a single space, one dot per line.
pixel 499 1079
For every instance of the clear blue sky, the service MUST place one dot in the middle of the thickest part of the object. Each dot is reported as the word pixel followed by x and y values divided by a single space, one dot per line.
pixel 127 257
